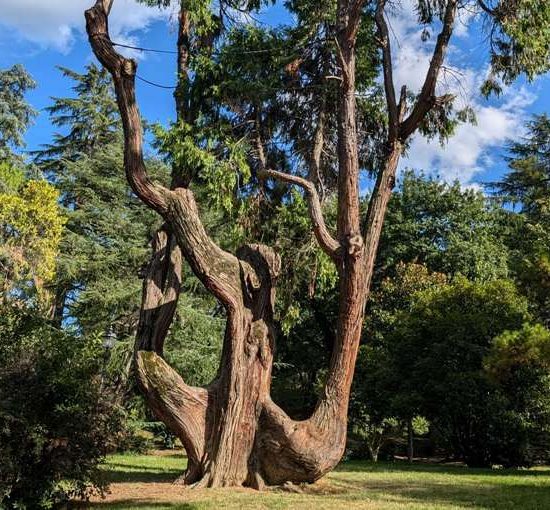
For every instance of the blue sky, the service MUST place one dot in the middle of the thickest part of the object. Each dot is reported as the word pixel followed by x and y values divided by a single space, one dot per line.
pixel 42 35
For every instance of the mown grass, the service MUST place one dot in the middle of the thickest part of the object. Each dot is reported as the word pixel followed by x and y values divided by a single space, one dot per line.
pixel 144 482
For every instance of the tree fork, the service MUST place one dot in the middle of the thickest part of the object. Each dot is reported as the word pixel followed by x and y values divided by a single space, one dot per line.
pixel 233 433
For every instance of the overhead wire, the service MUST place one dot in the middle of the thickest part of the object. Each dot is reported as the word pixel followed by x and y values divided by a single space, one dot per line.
pixel 172 52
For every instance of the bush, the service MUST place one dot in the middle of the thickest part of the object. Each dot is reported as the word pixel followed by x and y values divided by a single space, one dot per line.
pixel 56 418
pixel 480 379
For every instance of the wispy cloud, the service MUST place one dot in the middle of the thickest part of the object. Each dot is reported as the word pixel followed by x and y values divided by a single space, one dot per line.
pixel 56 23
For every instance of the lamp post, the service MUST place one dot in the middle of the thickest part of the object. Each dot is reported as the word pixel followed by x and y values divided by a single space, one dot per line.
pixel 109 339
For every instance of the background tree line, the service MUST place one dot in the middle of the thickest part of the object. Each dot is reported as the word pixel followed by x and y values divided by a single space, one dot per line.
pixel 455 349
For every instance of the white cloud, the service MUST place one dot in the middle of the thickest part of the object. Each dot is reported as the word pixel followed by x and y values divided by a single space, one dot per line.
pixel 468 152
pixel 56 23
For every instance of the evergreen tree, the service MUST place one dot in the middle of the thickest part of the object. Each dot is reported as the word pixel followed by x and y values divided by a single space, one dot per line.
pixel 15 113
pixel 105 244
pixel 527 188
pixel 105 241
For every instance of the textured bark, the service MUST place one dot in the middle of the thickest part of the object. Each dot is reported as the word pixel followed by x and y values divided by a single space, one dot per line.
pixel 234 434
pixel 161 287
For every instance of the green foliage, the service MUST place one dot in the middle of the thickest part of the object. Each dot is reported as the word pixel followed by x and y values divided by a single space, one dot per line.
pixel 520 41
pixel 193 347
pixel 311 271
pixel 104 245
pixel 395 295
pixel 376 407
pixel 211 156
pixel 526 187
pixel 442 348
pixel 449 229
pixel 31 226
pixel 526 347
pixel 56 420
pixel 15 113
pixel 105 241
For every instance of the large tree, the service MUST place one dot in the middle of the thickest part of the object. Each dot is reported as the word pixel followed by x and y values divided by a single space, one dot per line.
pixel 232 431
pixel 526 187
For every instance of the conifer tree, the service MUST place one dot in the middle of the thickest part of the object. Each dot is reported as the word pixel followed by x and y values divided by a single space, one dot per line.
pixel 16 114
pixel 105 240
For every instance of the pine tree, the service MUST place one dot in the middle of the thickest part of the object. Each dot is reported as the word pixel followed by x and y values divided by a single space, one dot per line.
pixel 16 114
pixel 105 241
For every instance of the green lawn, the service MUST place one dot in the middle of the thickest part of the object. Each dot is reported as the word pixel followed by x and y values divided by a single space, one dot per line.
pixel 144 482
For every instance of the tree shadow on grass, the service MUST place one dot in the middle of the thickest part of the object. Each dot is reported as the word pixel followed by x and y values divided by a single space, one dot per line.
pixel 441 469
pixel 130 504
pixel 140 475
pixel 494 496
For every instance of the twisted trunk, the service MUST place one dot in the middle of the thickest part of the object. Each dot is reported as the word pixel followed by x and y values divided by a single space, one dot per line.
pixel 234 434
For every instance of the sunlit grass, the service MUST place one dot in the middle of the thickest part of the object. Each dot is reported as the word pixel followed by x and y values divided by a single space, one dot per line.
pixel 144 482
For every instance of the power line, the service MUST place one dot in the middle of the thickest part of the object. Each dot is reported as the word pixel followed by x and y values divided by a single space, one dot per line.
pixel 171 87
pixel 240 51
pixel 171 52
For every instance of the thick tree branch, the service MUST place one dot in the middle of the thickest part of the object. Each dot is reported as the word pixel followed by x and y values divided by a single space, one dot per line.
pixel 218 270
pixel 161 288
pixel 387 67
pixel 426 97
pixel 123 72
pixel 329 245
pixel 183 408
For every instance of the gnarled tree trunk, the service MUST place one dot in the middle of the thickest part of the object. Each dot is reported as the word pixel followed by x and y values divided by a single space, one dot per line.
pixel 234 434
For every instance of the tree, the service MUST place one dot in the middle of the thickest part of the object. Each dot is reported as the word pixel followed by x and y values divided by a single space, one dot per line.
pixel 57 422
pixel 526 188
pixel 31 225
pixel 15 113
pixel 378 407
pixel 449 229
pixel 104 242
pixel 232 431
pixel 440 349
pixel 518 364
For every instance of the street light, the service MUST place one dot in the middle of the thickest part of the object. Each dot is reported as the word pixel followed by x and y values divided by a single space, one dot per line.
pixel 109 339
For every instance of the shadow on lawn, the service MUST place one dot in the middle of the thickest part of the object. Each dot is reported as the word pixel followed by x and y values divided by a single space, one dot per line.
pixel 483 493
pixel 404 467
pixel 130 504
pixel 141 474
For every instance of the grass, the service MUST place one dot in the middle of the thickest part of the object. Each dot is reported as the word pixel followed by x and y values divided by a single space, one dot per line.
pixel 144 482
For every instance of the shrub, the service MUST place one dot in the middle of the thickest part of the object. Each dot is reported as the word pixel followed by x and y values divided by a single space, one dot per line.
pixel 56 417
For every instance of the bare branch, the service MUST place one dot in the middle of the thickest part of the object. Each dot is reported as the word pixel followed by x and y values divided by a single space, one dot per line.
pixel 387 67
pixel 329 245
pixel 123 72
pixel 426 97
pixel 318 144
